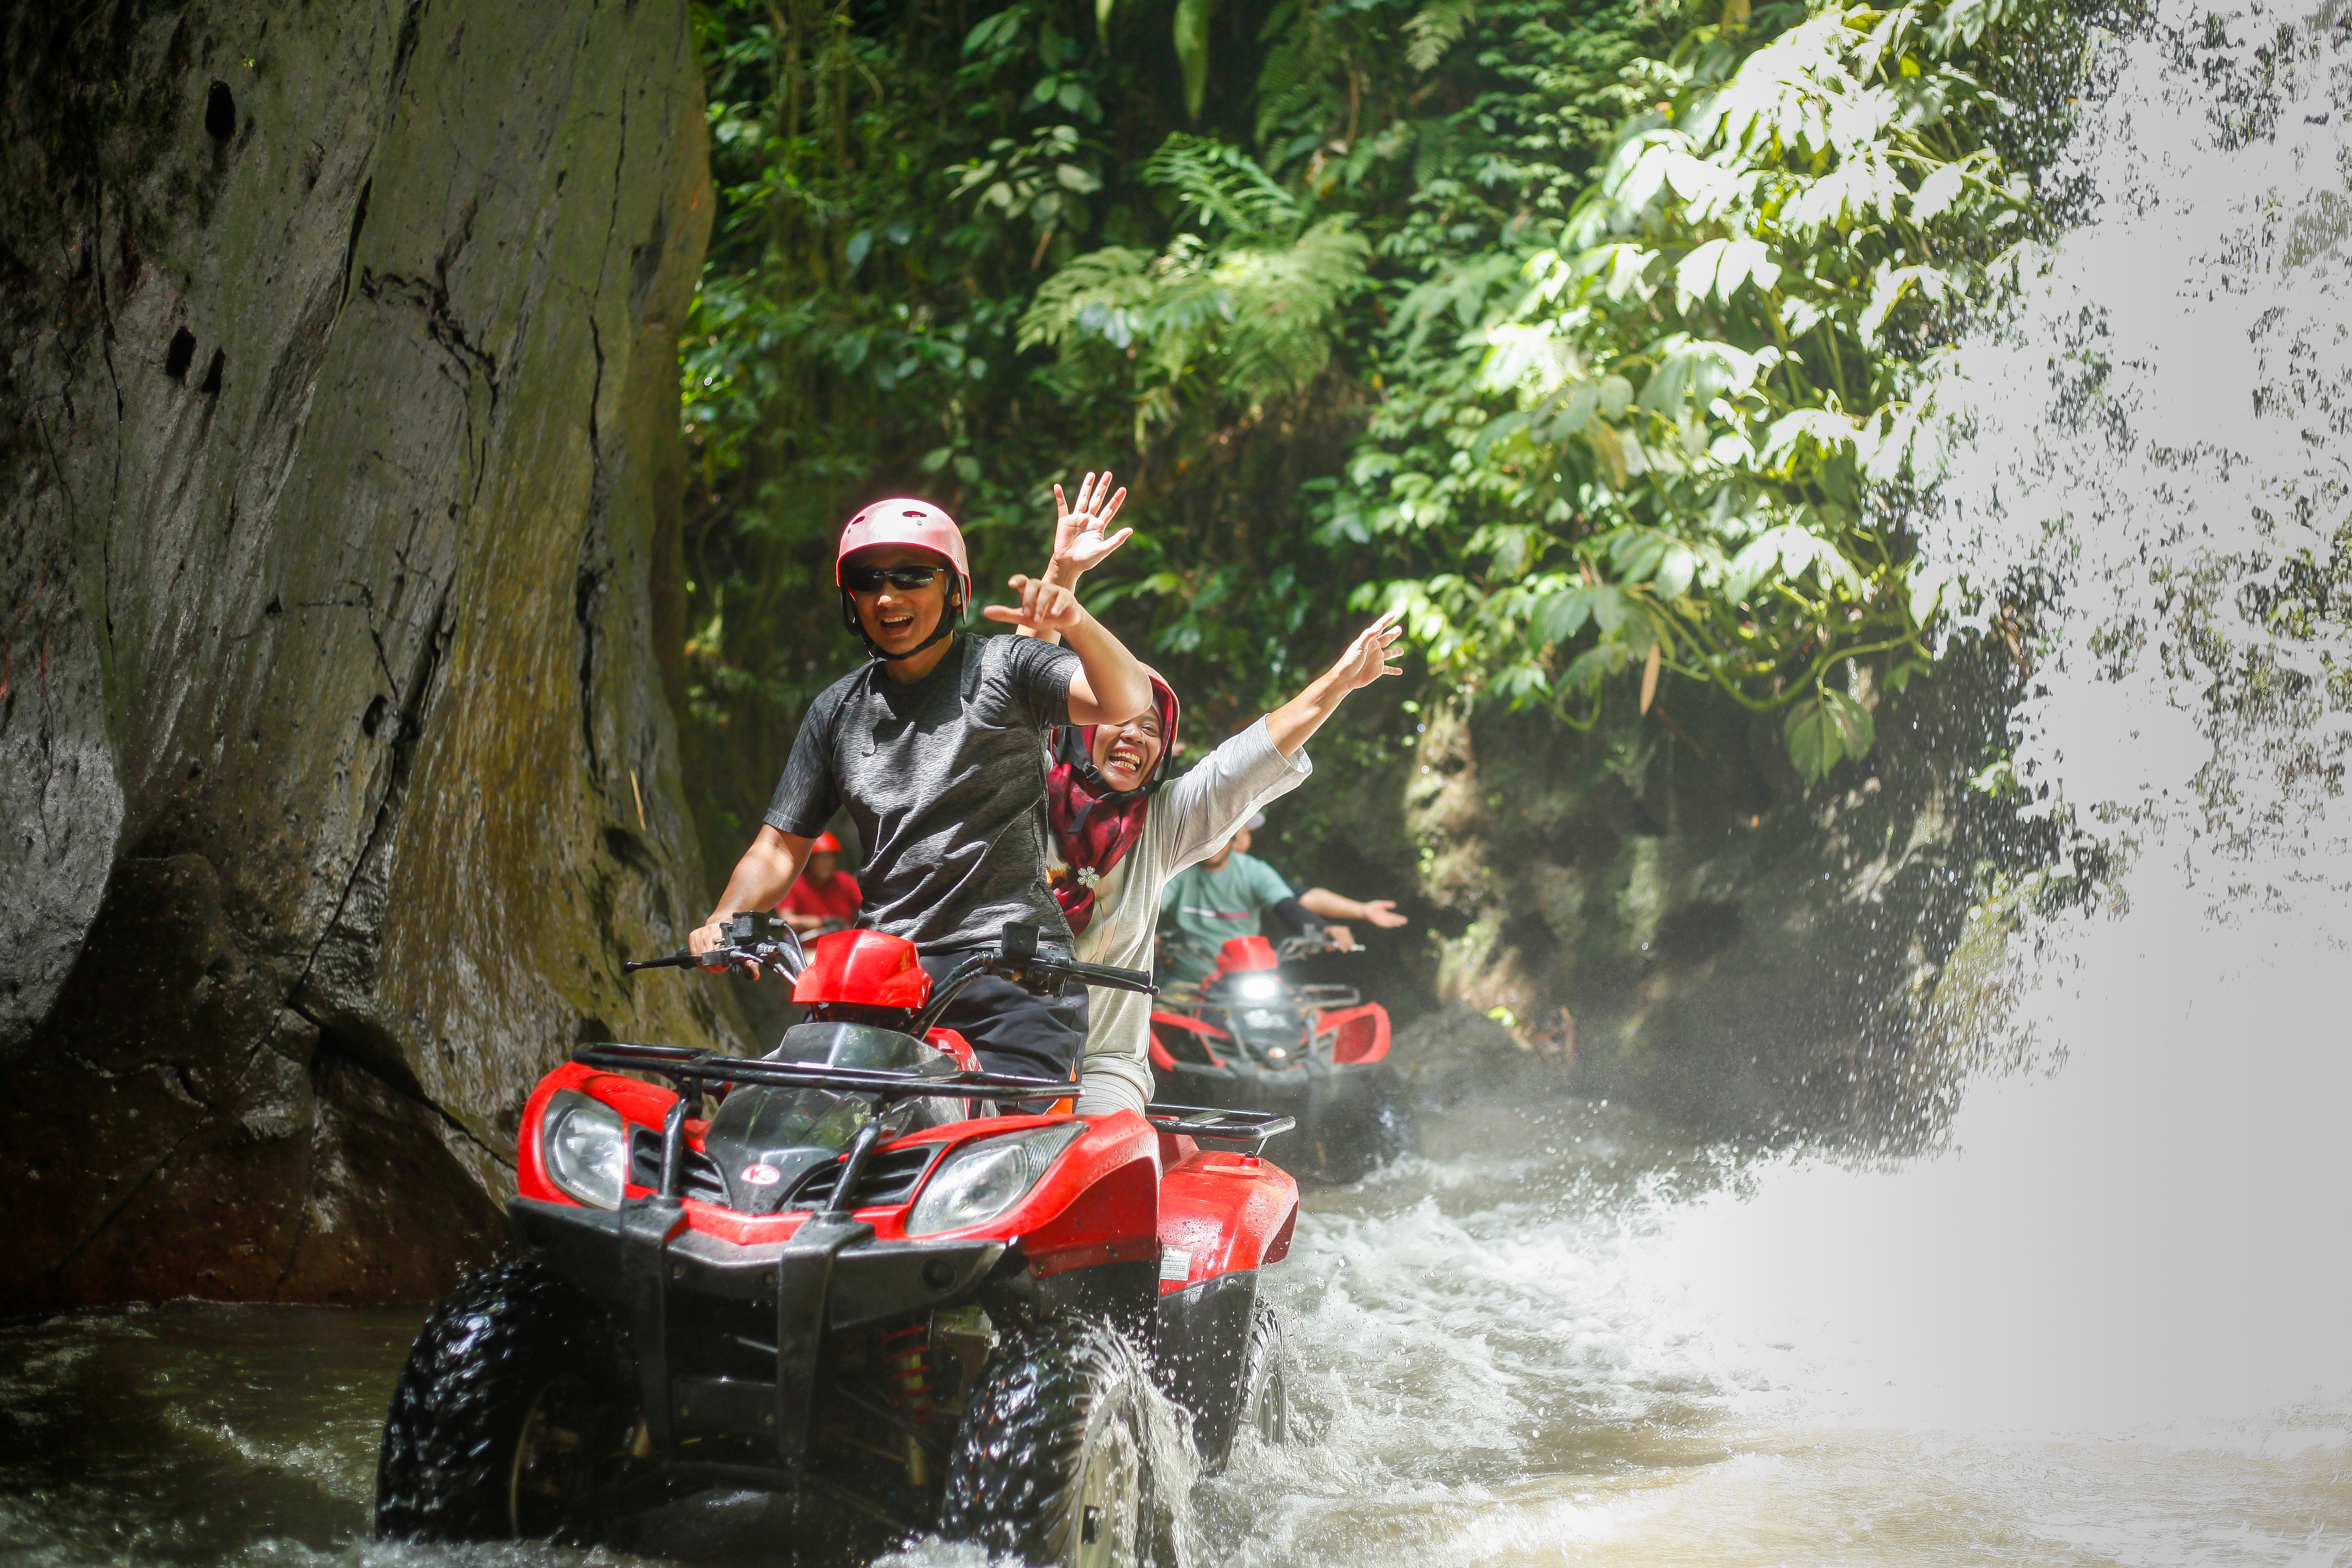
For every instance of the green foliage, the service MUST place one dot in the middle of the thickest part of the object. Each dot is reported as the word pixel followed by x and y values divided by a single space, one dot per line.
pixel 887 198
pixel 1581 330
pixel 1240 315
pixel 1681 424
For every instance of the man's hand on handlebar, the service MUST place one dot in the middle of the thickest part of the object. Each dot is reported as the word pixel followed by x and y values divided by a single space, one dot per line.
pixel 703 938
pixel 1340 938
pixel 735 941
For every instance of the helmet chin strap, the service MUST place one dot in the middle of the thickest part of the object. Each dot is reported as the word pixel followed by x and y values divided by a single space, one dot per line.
pixel 951 617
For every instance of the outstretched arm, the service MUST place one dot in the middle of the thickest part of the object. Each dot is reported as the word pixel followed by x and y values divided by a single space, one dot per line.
pixel 1366 661
pixel 1110 686
pixel 764 875
pixel 1334 906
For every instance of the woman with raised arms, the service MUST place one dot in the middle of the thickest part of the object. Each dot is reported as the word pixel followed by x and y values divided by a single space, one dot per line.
pixel 1119 827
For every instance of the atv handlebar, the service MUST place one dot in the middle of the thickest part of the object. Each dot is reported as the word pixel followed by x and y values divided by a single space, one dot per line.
pixel 1017 959
pixel 1309 943
pixel 781 950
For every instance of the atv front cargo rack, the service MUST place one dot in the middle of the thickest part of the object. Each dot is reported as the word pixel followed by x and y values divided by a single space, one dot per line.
pixel 682 1064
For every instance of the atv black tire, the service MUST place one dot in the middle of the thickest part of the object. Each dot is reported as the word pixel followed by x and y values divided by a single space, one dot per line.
pixel 1266 1388
pixel 1376 1129
pixel 1053 1462
pixel 1396 1131
pixel 513 1408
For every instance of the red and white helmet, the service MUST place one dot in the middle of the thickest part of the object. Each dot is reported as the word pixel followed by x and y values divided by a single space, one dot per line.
pixel 906 522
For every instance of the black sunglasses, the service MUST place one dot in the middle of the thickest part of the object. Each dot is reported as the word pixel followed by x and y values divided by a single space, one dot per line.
pixel 906 579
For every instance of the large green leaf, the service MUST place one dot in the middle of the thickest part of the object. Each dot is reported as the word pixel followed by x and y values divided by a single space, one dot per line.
pixel 1825 730
pixel 1192 50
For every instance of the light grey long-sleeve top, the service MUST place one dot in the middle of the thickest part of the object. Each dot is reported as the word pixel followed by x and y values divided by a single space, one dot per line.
pixel 1186 822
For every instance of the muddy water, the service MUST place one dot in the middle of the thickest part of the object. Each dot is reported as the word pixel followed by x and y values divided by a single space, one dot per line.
pixel 1512 1350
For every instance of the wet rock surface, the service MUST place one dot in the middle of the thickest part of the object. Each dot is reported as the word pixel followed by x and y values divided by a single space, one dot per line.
pixel 1458 1053
pixel 337 453
pixel 1671 910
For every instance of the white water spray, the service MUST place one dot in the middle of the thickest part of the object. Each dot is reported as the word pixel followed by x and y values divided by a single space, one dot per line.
pixel 2152 1226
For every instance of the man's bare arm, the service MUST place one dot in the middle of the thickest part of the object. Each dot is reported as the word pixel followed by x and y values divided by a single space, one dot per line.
pixel 1334 906
pixel 1110 686
pixel 764 875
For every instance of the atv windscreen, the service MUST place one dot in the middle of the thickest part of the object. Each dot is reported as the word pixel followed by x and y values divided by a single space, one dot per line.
pixel 764 1140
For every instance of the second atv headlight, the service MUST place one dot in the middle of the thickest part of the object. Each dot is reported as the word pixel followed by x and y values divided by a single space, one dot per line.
pixel 985 1178
pixel 587 1148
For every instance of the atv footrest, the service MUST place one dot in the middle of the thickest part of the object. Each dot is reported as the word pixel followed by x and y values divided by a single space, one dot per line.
pixel 721 1406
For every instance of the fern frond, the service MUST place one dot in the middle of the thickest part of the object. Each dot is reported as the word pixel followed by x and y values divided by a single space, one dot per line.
pixel 1102 292
pixel 1434 30
pixel 1225 184
pixel 1282 300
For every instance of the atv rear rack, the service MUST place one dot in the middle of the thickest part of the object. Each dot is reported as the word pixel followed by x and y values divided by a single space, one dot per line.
pixel 1205 1125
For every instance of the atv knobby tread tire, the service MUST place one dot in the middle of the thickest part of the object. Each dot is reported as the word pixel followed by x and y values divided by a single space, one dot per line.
pixel 1376 1131
pixel 1046 1393
pixel 1265 1387
pixel 504 1339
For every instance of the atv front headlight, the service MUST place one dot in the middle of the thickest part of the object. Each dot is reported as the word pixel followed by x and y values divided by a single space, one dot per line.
pixel 587 1148
pixel 985 1178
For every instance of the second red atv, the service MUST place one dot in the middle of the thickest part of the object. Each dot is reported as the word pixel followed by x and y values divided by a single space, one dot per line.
pixel 814 1272
pixel 1251 1039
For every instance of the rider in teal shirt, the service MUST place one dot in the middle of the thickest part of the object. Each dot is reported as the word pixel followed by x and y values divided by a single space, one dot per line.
pixel 1207 905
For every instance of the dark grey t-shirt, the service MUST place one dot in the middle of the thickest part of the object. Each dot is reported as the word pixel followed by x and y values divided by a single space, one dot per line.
pixel 945 779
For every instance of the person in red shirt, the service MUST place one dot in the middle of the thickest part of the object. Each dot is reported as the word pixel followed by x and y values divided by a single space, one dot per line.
pixel 823 897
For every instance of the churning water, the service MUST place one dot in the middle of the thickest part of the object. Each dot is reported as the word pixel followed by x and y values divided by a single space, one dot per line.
pixel 2108 1324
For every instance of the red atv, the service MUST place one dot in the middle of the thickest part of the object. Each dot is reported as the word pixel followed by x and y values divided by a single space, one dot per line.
pixel 836 1283
pixel 1251 1039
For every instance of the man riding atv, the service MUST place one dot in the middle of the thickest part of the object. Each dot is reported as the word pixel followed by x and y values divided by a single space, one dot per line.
pixel 1230 893
pixel 825 897
pixel 1121 829
pixel 935 749
pixel 782 1272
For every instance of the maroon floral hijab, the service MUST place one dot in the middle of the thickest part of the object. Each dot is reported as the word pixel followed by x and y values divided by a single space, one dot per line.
pixel 1094 826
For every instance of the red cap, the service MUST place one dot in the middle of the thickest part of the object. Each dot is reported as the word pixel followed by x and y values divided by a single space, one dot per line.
pixel 904 521
pixel 826 844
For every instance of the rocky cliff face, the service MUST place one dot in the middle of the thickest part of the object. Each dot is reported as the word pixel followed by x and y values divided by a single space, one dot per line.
pixel 1670 910
pixel 337 451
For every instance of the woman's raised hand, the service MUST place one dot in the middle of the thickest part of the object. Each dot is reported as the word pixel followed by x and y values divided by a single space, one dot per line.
pixel 1081 540
pixel 1367 659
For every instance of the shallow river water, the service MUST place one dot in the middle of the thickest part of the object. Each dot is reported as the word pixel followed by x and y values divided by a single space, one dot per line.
pixel 1533 1345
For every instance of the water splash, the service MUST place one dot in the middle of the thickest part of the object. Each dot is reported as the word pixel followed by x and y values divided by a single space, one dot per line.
pixel 2146 1229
